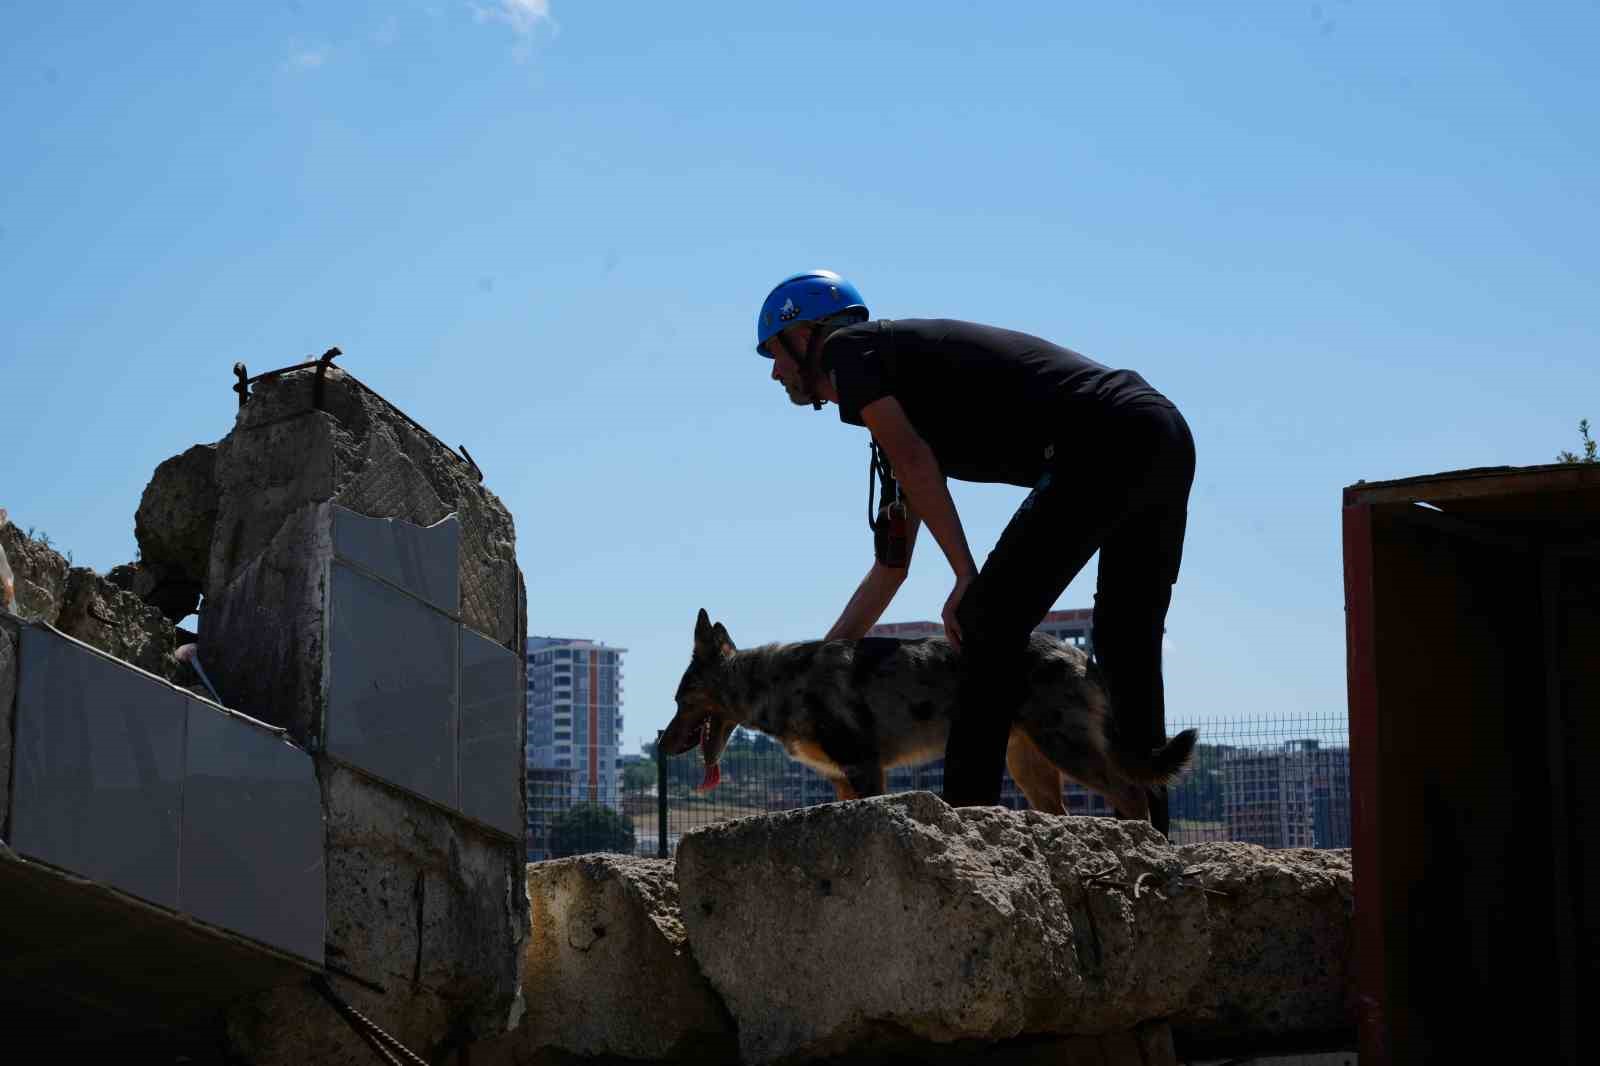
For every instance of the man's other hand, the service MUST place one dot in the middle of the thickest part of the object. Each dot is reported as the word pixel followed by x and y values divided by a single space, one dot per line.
pixel 952 628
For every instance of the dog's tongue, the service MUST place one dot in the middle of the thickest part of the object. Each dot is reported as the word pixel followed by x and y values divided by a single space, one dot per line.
pixel 713 768
pixel 712 779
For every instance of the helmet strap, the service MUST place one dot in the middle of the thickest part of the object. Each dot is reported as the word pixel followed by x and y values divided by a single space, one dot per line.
pixel 810 368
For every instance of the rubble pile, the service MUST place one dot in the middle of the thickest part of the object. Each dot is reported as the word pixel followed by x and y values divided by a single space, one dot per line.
pixel 898 929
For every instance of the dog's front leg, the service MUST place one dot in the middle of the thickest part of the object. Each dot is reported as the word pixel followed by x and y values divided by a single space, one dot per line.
pixel 859 782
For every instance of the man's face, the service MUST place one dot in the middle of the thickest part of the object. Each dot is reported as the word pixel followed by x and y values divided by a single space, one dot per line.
pixel 787 349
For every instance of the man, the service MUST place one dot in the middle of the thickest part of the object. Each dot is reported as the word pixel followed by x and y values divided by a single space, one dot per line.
pixel 1108 459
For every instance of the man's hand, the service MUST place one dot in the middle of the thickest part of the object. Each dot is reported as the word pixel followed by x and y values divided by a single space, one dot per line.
pixel 952 628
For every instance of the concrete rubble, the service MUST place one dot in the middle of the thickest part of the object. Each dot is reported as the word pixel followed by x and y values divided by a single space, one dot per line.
pixel 426 907
pixel 418 905
pixel 1282 957
pixel 607 969
pixel 899 930
pixel 174 523
pixel 883 930
pixel 839 927
pixel 117 622
pixel 421 902
pixel 277 472
pixel 89 607
pixel 40 574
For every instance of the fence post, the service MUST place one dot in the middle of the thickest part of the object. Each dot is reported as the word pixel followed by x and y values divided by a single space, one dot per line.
pixel 661 798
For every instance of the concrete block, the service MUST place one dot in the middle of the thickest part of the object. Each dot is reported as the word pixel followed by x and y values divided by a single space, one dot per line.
pixel 176 517
pixel 1282 959
pixel 607 970
pixel 427 912
pixel 360 453
pixel 832 929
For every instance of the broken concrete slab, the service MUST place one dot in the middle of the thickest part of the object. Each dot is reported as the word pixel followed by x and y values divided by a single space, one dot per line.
pixel 128 780
pixel 262 639
pixel 853 927
pixel 422 905
pixel 98 780
pixel 117 622
pixel 174 523
pixel 361 453
pixel 441 904
pixel 607 969
pixel 1282 956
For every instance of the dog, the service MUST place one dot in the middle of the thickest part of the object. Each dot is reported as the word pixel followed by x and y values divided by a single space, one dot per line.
pixel 851 709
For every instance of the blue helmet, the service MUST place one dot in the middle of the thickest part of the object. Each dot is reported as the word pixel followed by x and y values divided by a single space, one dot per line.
pixel 817 294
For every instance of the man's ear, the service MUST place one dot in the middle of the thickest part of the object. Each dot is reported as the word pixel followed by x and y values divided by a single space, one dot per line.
pixel 721 641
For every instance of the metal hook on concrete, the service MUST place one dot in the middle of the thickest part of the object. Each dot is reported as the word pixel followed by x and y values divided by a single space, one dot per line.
pixel 322 370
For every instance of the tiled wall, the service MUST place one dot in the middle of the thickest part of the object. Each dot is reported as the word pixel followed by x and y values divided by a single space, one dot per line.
pixel 129 781
pixel 415 697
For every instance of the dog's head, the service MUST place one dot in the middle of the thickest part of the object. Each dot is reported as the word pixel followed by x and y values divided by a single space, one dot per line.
pixel 703 717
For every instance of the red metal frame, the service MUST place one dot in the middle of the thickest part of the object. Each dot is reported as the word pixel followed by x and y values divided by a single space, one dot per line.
pixel 1366 859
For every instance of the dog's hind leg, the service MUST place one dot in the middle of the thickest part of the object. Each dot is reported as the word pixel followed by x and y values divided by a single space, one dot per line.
pixel 1128 799
pixel 1131 801
pixel 1079 755
pixel 1034 774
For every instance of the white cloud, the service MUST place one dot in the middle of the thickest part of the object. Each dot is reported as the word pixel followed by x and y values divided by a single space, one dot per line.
pixel 523 16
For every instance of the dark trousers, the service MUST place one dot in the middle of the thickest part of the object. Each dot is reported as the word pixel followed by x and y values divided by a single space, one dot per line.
pixel 1130 502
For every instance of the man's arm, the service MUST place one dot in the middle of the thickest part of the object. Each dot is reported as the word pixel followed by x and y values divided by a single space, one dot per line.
pixel 917 470
pixel 877 589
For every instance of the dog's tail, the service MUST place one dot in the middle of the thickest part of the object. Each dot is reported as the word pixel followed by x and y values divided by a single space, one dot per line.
pixel 1163 765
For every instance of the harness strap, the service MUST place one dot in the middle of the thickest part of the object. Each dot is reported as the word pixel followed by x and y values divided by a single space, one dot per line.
pixel 880 475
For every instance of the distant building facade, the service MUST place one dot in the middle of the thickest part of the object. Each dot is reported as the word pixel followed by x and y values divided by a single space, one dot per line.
pixel 1070 627
pixel 574 709
pixel 1296 796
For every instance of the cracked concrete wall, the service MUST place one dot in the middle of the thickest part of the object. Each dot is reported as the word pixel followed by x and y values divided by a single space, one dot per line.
pixel 283 461
pixel 427 911
pixel 423 906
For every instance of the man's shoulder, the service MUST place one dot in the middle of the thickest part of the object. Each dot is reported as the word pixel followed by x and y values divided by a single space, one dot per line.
pixel 852 342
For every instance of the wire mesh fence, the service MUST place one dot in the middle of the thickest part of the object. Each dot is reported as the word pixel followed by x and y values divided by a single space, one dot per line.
pixel 1279 782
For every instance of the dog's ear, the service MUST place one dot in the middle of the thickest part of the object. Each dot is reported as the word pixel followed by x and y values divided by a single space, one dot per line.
pixel 703 638
pixel 720 641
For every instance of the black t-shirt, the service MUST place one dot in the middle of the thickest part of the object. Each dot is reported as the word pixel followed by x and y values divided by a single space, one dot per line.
pixel 988 401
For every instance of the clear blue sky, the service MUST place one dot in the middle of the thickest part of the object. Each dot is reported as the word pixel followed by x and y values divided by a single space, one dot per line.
pixel 1351 240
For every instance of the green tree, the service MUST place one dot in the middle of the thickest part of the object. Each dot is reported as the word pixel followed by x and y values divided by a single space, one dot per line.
pixel 639 776
pixel 1588 455
pixel 590 827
